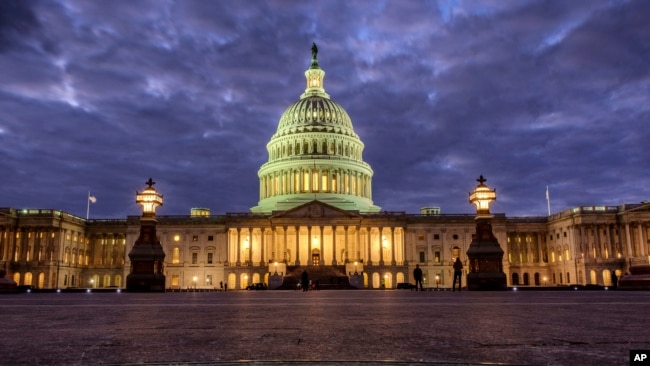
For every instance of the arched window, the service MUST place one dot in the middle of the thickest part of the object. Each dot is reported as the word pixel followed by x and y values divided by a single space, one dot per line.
pixel 28 278
pixel 593 277
pixel 607 277
pixel 515 279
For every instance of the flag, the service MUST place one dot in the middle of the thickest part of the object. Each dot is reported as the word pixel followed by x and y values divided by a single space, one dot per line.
pixel 92 198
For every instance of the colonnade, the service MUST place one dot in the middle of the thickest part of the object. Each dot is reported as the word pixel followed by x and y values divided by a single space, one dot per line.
pixel 315 180
pixel 527 248
pixel 606 241
pixel 316 245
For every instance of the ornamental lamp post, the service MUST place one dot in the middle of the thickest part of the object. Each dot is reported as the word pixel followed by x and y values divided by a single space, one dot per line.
pixel 147 255
pixel 485 254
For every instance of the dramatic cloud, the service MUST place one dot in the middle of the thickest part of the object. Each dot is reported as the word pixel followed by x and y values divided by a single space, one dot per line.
pixel 99 97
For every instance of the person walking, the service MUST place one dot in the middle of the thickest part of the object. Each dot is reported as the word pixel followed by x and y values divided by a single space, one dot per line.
pixel 304 278
pixel 417 275
pixel 458 272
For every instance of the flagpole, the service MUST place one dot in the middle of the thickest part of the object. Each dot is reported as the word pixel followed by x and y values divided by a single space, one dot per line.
pixel 548 201
pixel 88 206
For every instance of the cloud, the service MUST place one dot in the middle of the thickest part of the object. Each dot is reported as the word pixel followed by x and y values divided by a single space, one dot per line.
pixel 527 93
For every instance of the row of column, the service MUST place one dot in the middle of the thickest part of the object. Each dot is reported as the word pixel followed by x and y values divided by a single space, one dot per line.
pixel 46 246
pixel 305 148
pixel 531 245
pixel 630 244
pixel 340 181
pixel 353 251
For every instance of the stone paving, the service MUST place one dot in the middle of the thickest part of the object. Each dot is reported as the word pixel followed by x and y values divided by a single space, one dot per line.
pixel 355 327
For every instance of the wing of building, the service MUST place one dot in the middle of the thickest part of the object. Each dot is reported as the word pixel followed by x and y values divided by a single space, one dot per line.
pixel 315 213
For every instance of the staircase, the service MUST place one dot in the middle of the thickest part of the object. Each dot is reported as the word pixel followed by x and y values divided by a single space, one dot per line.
pixel 328 277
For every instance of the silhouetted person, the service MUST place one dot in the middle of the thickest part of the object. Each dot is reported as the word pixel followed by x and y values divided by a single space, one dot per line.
pixel 458 273
pixel 417 275
pixel 304 278
pixel 614 279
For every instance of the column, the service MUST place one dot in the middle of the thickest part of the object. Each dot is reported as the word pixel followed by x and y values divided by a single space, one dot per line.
pixel 334 245
pixel 263 260
pixel 250 247
pixel 642 243
pixel 284 244
pixel 297 261
pixel 599 246
pixel 274 244
pixel 368 259
pixel 392 245
pixel 238 247
pixel 309 246
pixel 358 244
pixel 529 251
pixel 321 246
pixel 381 246
pixel 628 241
pixel 347 248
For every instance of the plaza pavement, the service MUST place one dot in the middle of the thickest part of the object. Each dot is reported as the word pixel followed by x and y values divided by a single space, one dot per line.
pixel 353 327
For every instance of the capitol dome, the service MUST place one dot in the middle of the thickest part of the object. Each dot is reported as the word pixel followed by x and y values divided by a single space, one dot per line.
pixel 315 155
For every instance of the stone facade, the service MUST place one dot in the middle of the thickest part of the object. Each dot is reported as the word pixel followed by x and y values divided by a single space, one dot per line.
pixel 583 245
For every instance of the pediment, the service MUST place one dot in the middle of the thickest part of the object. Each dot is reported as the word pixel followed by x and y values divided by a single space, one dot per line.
pixel 315 209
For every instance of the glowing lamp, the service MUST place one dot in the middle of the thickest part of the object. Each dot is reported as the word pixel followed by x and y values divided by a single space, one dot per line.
pixel 149 199
pixel 482 196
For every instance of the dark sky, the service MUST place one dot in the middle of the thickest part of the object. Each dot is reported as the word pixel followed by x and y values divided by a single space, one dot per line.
pixel 99 96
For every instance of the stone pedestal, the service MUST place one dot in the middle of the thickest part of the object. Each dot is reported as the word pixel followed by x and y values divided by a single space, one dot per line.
pixel 485 259
pixel 356 280
pixel 275 281
pixel 147 260
pixel 638 279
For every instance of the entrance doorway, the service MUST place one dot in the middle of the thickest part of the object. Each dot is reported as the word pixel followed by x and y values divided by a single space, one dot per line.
pixel 315 258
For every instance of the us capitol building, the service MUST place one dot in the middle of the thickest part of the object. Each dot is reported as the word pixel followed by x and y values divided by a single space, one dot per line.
pixel 316 213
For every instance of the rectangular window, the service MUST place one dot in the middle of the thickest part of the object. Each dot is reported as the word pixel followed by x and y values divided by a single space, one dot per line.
pixel 210 238
pixel 174 280
pixel 420 236
pixel 436 236
pixel 195 238
pixel 436 257
pixel 176 255
pixel 421 257
pixel 208 280
pixel 209 258
pixel 195 258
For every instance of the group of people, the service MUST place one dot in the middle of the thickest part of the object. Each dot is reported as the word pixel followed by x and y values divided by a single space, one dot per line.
pixel 458 273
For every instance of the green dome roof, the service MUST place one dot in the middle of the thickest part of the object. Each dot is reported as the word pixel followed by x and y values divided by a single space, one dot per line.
pixel 315 114
pixel 315 154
